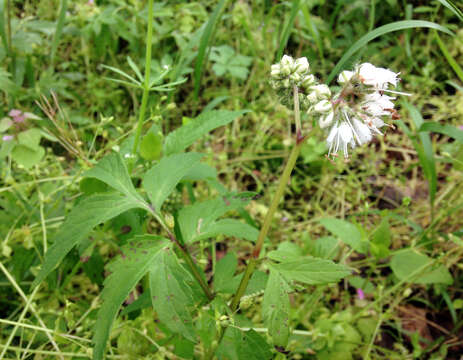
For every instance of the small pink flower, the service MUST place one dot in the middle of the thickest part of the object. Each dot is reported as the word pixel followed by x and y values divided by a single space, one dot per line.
pixel 17 115
pixel 15 112
pixel 461 127
pixel 91 2
pixel 7 138
pixel 360 294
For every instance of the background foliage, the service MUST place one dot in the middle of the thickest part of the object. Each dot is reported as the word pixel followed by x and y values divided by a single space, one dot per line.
pixel 393 213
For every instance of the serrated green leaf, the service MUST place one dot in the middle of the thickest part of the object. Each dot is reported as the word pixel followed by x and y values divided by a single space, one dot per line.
pixel 347 232
pixel 113 171
pixel 171 294
pixel 83 218
pixel 224 271
pixel 127 270
pixel 163 177
pixel 251 346
pixel 417 268
pixel 312 271
pixel 326 247
pixel 179 139
pixel 230 227
pixel 201 171
pixel 275 308
pixel 197 220
pixel 287 251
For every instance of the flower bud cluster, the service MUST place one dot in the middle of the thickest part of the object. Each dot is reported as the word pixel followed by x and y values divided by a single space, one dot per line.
pixel 291 72
pixel 354 114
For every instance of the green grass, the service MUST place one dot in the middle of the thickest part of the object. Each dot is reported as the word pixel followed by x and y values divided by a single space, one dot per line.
pixel 385 182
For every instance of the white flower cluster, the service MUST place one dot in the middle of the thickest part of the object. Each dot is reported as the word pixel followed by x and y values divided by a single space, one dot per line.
pixel 291 72
pixel 355 113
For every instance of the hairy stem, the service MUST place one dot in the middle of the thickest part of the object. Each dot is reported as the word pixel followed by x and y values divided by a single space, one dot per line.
pixel 251 266
pixel 144 101
pixel 273 206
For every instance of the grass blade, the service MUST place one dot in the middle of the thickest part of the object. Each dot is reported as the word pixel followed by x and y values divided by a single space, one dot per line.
pixel 204 43
pixel 425 152
pixel 365 39
pixel 449 5
pixel 458 70
pixel 59 29
pixel 289 26
pixel 448 130
pixel 2 25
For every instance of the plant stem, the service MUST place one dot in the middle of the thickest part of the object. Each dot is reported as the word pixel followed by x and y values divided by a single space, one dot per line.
pixel 186 255
pixel 273 206
pixel 144 101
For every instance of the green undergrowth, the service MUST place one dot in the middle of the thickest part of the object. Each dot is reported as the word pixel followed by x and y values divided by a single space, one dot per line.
pixel 379 213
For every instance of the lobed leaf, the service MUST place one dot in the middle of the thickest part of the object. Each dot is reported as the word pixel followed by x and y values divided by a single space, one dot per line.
pixel 171 295
pixel 275 308
pixel 127 270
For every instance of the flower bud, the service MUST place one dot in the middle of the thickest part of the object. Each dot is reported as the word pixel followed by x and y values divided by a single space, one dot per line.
pixel 275 71
pixel 308 81
pixel 345 76
pixel 323 106
pixel 286 83
pixel 286 63
pixel 312 98
pixel 301 65
pixel 296 77
pixel 322 91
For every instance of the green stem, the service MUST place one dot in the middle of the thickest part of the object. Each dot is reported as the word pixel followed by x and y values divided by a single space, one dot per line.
pixel 266 226
pixel 273 207
pixel 144 101
pixel 185 254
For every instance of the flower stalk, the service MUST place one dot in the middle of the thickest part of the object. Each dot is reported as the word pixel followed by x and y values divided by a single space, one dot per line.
pixel 291 162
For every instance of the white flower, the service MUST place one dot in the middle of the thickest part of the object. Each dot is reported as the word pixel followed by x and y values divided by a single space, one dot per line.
pixel 301 65
pixel 322 91
pixel 361 131
pixel 323 106
pixel 345 76
pixel 376 104
pixel 380 78
pixel 339 138
pixel 326 120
